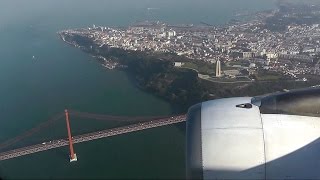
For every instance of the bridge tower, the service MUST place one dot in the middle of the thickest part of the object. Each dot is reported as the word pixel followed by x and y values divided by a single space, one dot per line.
pixel 73 156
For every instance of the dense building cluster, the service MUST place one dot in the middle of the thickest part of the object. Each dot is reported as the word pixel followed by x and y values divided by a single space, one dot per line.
pixel 291 52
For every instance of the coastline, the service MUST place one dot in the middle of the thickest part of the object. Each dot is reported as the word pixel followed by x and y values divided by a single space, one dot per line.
pixel 156 73
pixel 130 62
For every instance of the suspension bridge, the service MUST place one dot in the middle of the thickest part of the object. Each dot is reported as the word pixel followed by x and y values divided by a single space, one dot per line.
pixel 141 124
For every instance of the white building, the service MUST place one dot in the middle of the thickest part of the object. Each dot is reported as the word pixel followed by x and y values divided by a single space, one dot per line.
pixel 178 64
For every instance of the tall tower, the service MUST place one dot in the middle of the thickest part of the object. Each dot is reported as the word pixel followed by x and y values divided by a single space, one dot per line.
pixel 73 156
pixel 218 68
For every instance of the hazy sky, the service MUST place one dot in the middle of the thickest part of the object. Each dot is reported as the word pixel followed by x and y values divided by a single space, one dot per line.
pixel 17 11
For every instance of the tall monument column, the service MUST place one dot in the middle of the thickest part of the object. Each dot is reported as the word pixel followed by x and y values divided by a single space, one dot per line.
pixel 218 68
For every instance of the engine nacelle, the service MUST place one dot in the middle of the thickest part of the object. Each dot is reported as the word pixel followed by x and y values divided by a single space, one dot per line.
pixel 271 137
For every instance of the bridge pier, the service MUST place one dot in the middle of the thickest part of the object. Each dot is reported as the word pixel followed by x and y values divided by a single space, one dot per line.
pixel 74 158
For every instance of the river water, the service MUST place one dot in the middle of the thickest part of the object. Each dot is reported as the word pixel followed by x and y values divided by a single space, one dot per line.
pixel 59 76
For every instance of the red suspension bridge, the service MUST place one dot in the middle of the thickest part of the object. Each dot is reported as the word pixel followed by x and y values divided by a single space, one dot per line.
pixel 141 124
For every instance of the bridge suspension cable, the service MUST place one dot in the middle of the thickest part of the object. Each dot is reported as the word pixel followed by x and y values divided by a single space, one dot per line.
pixel 112 118
pixel 90 136
pixel 31 131
pixel 78 114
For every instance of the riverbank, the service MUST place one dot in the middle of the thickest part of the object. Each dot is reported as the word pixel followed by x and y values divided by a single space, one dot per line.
pixel 151 72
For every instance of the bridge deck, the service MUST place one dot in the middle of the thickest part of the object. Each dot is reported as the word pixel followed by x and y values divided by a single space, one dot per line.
pixel 90 136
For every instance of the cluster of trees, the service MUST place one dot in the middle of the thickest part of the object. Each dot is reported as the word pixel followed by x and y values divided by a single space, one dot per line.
pixel 152 73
